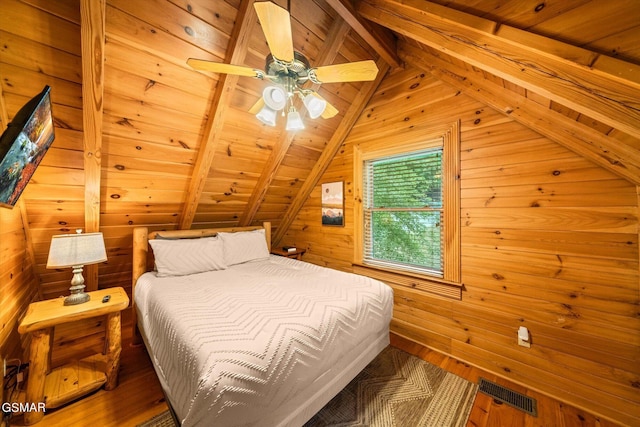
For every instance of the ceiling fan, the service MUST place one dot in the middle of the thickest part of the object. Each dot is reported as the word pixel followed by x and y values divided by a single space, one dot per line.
pixel 288 71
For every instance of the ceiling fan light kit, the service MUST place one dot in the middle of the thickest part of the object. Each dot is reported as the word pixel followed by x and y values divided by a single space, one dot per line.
pixel 315 105
pixel 294 121
pixel 288 71
pixel 275 97
pixel 267 116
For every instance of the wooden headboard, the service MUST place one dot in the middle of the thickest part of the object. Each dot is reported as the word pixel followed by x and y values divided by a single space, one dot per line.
pixel 143 255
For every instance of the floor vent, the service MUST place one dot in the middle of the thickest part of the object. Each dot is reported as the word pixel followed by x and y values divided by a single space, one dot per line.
pixel 510 397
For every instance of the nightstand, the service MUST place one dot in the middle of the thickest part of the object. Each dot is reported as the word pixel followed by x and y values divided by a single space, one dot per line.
pixel 65 383
pixel 297 254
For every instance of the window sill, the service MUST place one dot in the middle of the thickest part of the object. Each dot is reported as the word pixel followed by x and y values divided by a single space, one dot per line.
pixel 424 283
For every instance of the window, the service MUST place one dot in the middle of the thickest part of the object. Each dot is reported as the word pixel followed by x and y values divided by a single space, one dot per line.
pixel 408 215
pixel 402 210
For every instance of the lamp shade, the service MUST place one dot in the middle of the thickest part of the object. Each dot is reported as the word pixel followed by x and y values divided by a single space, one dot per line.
pixel 315 105
pixel 275 97
pixel 69 250
pixel 267 116
pixel 294 121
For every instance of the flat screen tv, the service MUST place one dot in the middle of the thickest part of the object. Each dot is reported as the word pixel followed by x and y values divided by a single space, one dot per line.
pixel 23 145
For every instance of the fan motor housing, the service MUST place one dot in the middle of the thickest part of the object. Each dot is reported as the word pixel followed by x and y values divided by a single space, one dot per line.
pixel 297 70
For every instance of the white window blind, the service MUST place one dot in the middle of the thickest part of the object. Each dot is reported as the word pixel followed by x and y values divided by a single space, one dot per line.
pixel 403 212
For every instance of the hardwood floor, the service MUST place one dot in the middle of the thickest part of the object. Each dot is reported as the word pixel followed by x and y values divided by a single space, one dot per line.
pixel 488 412
pixel 139 397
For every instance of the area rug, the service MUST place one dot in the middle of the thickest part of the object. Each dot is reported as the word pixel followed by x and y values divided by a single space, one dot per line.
pixel 162 420
pixel 396 389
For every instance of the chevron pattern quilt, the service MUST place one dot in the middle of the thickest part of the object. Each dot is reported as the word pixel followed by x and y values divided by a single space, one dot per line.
pixel 247 345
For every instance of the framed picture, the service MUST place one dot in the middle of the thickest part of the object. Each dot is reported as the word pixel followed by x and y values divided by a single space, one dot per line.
pixel 23 145
pixel 333 203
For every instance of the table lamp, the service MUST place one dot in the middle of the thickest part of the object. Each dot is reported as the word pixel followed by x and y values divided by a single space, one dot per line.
pixel 76 251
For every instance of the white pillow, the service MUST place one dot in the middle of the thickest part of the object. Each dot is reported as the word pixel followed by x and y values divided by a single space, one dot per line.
pixel 187 256
pixel 244 246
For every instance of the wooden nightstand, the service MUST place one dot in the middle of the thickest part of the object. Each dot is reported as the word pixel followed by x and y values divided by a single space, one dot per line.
pixel 297 254
pixel 65 383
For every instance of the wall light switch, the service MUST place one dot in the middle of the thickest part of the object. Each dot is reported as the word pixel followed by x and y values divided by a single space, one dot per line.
pixel 523 337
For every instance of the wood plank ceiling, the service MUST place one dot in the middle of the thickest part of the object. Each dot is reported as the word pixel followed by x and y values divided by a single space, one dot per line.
pixel 157 143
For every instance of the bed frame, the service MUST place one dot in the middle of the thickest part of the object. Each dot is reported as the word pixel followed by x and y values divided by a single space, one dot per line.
pixel 143 255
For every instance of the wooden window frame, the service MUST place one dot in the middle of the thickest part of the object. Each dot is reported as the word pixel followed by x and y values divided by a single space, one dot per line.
pixel 450 140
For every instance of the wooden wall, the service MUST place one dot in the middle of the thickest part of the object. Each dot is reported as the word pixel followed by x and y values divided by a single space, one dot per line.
pixel 41 46
pixel 155 114
pixel 549 241
pixel 18 284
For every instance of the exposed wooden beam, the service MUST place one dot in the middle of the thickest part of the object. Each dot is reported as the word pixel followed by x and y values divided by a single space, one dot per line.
pixel 236 53
pixel 358 105
pixel 617 156
pixel 331 46
pixel 92 39
pixel 602 88
pixel 267 176
pixel 383 43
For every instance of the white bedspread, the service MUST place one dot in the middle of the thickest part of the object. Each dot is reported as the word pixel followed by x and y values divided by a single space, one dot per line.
pixel 243 346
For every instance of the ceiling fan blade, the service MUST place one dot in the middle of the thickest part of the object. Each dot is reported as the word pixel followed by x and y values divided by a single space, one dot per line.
pixel 219 67
pixel 276 25
pixel 257 106
pixel 329 110
pixel 348 72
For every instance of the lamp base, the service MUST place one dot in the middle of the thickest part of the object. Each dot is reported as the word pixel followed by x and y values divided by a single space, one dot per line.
pixel 78 298
pixel 77 294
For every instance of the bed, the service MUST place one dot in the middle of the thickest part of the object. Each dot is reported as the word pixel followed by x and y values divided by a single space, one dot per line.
pixel 238 336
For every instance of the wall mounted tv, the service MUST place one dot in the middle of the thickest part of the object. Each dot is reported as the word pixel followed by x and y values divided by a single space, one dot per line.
pixel 23 145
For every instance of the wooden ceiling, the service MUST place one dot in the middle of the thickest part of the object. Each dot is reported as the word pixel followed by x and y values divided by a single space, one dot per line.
pixel 146 140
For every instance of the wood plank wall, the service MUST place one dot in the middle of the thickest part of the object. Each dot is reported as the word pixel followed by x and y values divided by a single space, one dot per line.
pixel 53 201
pixel 549 241
pixel 41 46
pixel 18 285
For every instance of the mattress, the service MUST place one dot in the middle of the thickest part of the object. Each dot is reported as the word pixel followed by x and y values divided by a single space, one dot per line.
pixel 261 343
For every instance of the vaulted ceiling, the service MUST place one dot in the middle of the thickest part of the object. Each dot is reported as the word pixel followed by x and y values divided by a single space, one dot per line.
pixel 144 139
pixel 257 171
